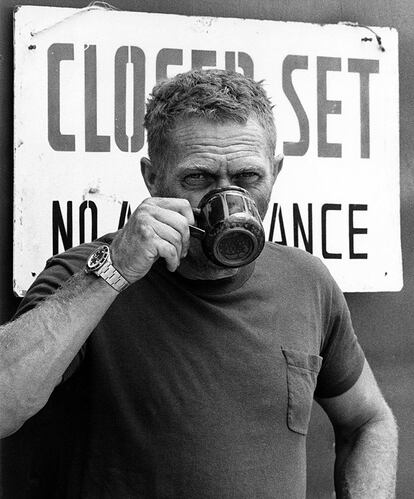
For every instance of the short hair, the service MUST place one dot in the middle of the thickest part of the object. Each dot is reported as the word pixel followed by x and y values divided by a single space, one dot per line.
pixel 216 95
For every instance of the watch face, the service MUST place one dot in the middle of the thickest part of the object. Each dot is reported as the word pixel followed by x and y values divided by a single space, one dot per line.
pixel 97 259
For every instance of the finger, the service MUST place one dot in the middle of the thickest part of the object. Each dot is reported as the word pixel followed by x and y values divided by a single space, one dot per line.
pixel 178 205
pixel 176 221
pixel 167 251
pixel 169 234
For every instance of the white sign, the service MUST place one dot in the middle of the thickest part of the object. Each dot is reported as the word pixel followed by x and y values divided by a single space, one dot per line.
pixel 81 82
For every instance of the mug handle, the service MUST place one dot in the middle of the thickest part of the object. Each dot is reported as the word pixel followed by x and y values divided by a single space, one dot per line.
pixel 197 232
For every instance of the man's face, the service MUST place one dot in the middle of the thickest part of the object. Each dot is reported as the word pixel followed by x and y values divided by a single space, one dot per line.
pixel 212 155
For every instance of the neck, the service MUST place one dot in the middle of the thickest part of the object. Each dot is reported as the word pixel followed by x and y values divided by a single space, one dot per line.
pixel 204 270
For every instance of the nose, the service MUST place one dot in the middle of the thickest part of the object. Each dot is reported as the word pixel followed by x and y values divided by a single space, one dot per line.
pixel 224 181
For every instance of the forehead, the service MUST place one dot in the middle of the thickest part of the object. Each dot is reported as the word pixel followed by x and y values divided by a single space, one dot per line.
pixel 194 137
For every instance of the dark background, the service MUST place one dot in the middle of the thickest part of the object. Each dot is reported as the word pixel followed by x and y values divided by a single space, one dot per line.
pixel 384 321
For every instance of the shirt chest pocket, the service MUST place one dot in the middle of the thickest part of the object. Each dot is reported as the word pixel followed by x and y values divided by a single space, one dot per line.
pixel 301 372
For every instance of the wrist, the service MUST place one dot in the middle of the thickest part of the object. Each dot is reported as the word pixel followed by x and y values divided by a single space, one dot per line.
pixel 100 264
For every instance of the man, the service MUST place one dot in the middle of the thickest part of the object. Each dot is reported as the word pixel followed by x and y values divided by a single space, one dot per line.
pixel 190 379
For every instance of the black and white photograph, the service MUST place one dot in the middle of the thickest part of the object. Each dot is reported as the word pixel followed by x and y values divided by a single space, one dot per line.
pixel 207 262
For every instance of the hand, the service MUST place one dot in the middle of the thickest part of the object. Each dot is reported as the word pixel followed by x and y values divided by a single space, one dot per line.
pixel 157 228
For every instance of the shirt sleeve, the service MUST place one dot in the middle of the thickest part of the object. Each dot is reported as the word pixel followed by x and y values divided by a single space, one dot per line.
pixel 343 358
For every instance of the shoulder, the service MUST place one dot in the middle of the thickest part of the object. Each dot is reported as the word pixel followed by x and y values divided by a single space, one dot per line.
pixel 59 268
pixel 297 276
pixel 75 258
pixel 293 262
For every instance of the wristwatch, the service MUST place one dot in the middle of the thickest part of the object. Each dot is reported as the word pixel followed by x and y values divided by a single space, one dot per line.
pixel 100 264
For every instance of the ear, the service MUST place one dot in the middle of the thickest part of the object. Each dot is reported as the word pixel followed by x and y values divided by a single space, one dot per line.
pixel 149 173
pixel 277 165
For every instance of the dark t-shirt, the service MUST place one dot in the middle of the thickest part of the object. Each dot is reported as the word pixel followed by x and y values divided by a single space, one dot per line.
pixel 203 388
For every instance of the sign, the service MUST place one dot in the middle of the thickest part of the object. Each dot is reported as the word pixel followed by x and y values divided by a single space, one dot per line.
pixel 81 81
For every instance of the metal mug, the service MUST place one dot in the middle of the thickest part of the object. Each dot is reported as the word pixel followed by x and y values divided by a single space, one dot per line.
pixel 229 227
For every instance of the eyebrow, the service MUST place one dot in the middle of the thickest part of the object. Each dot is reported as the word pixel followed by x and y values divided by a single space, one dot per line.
pixel 193 167
pixel 211 170
pixel 250 167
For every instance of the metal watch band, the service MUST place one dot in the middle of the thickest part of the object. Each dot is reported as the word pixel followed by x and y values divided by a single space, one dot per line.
pixel 109 273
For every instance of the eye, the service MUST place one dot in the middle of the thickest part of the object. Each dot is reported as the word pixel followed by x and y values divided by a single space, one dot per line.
pixel 197 179
pixel 248 177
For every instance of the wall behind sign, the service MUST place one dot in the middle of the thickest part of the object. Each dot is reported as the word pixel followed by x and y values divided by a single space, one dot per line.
pixel 384 321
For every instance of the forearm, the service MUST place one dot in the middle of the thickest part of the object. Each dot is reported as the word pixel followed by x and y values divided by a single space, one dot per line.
pixel 366 462
pixel 36 348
